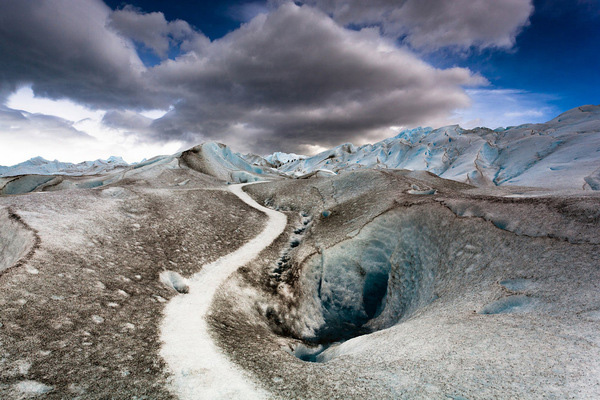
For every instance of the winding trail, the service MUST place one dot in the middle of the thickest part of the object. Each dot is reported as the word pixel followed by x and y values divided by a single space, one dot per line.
pixel 200 368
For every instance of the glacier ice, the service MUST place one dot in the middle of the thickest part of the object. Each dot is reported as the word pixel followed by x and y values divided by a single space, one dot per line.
pixel 561 153
pixel 463 289
pixel 368 282
pixel 41 166
pixel 402 283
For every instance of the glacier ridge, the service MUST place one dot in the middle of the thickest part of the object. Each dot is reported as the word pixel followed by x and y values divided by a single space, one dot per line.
pixel 41 166
pixel 563 153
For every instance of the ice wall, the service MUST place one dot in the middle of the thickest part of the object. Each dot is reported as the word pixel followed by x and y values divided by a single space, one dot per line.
pixel 16 239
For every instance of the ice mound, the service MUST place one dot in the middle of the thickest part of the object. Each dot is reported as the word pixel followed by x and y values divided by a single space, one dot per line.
pixel 25 184
pixel 218 160
pixel 278 158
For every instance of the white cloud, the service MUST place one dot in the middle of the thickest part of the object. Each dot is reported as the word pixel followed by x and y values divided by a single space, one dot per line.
pixel 24 99
pixel 64 50
pixel 154 31
pixel 525 113
pixel 433 24
pixel 246 11
pixel 495 108
pixel 60 129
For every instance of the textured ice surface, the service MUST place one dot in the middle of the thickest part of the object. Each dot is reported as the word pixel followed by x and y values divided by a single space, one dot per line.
pixel 218 160
pixel 368 282
pixel 25 184
pixel 452 295
pixel 561 153
pixel 278 158
pixel 85 309
pixel 410 274
pixel 40 166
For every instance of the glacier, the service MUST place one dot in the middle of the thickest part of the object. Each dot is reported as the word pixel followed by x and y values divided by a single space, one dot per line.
pixel 359 273
pixel 561 154
pixel 41 166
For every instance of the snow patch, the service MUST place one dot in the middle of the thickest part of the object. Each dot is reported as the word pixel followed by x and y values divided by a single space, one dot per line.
pixel 32 388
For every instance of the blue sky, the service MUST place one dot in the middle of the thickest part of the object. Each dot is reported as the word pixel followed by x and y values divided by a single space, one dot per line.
pixel 556 58
pixel 89 78
pixel 214 18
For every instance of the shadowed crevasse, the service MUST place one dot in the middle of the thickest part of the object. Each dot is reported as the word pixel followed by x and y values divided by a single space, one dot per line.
pixel 368 282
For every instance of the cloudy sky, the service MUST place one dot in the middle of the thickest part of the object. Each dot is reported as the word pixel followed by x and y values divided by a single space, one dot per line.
pixel 86 79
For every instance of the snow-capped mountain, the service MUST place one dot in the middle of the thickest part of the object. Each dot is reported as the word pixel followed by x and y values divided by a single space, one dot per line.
pixel 41 166
pixel 561 153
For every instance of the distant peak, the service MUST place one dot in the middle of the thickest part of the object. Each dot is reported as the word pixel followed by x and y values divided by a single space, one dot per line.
pixel 115 160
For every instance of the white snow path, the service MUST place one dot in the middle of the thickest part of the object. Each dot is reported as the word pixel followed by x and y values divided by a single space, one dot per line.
pixel 200 369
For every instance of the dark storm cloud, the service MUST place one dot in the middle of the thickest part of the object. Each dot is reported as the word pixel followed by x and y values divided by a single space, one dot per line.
pixel 433 24
pixel 127 120
pixel 297 77
pixel 284 80
pixel 63 48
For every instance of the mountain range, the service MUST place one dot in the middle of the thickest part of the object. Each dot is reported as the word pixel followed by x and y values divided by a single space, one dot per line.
pixel 563 153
